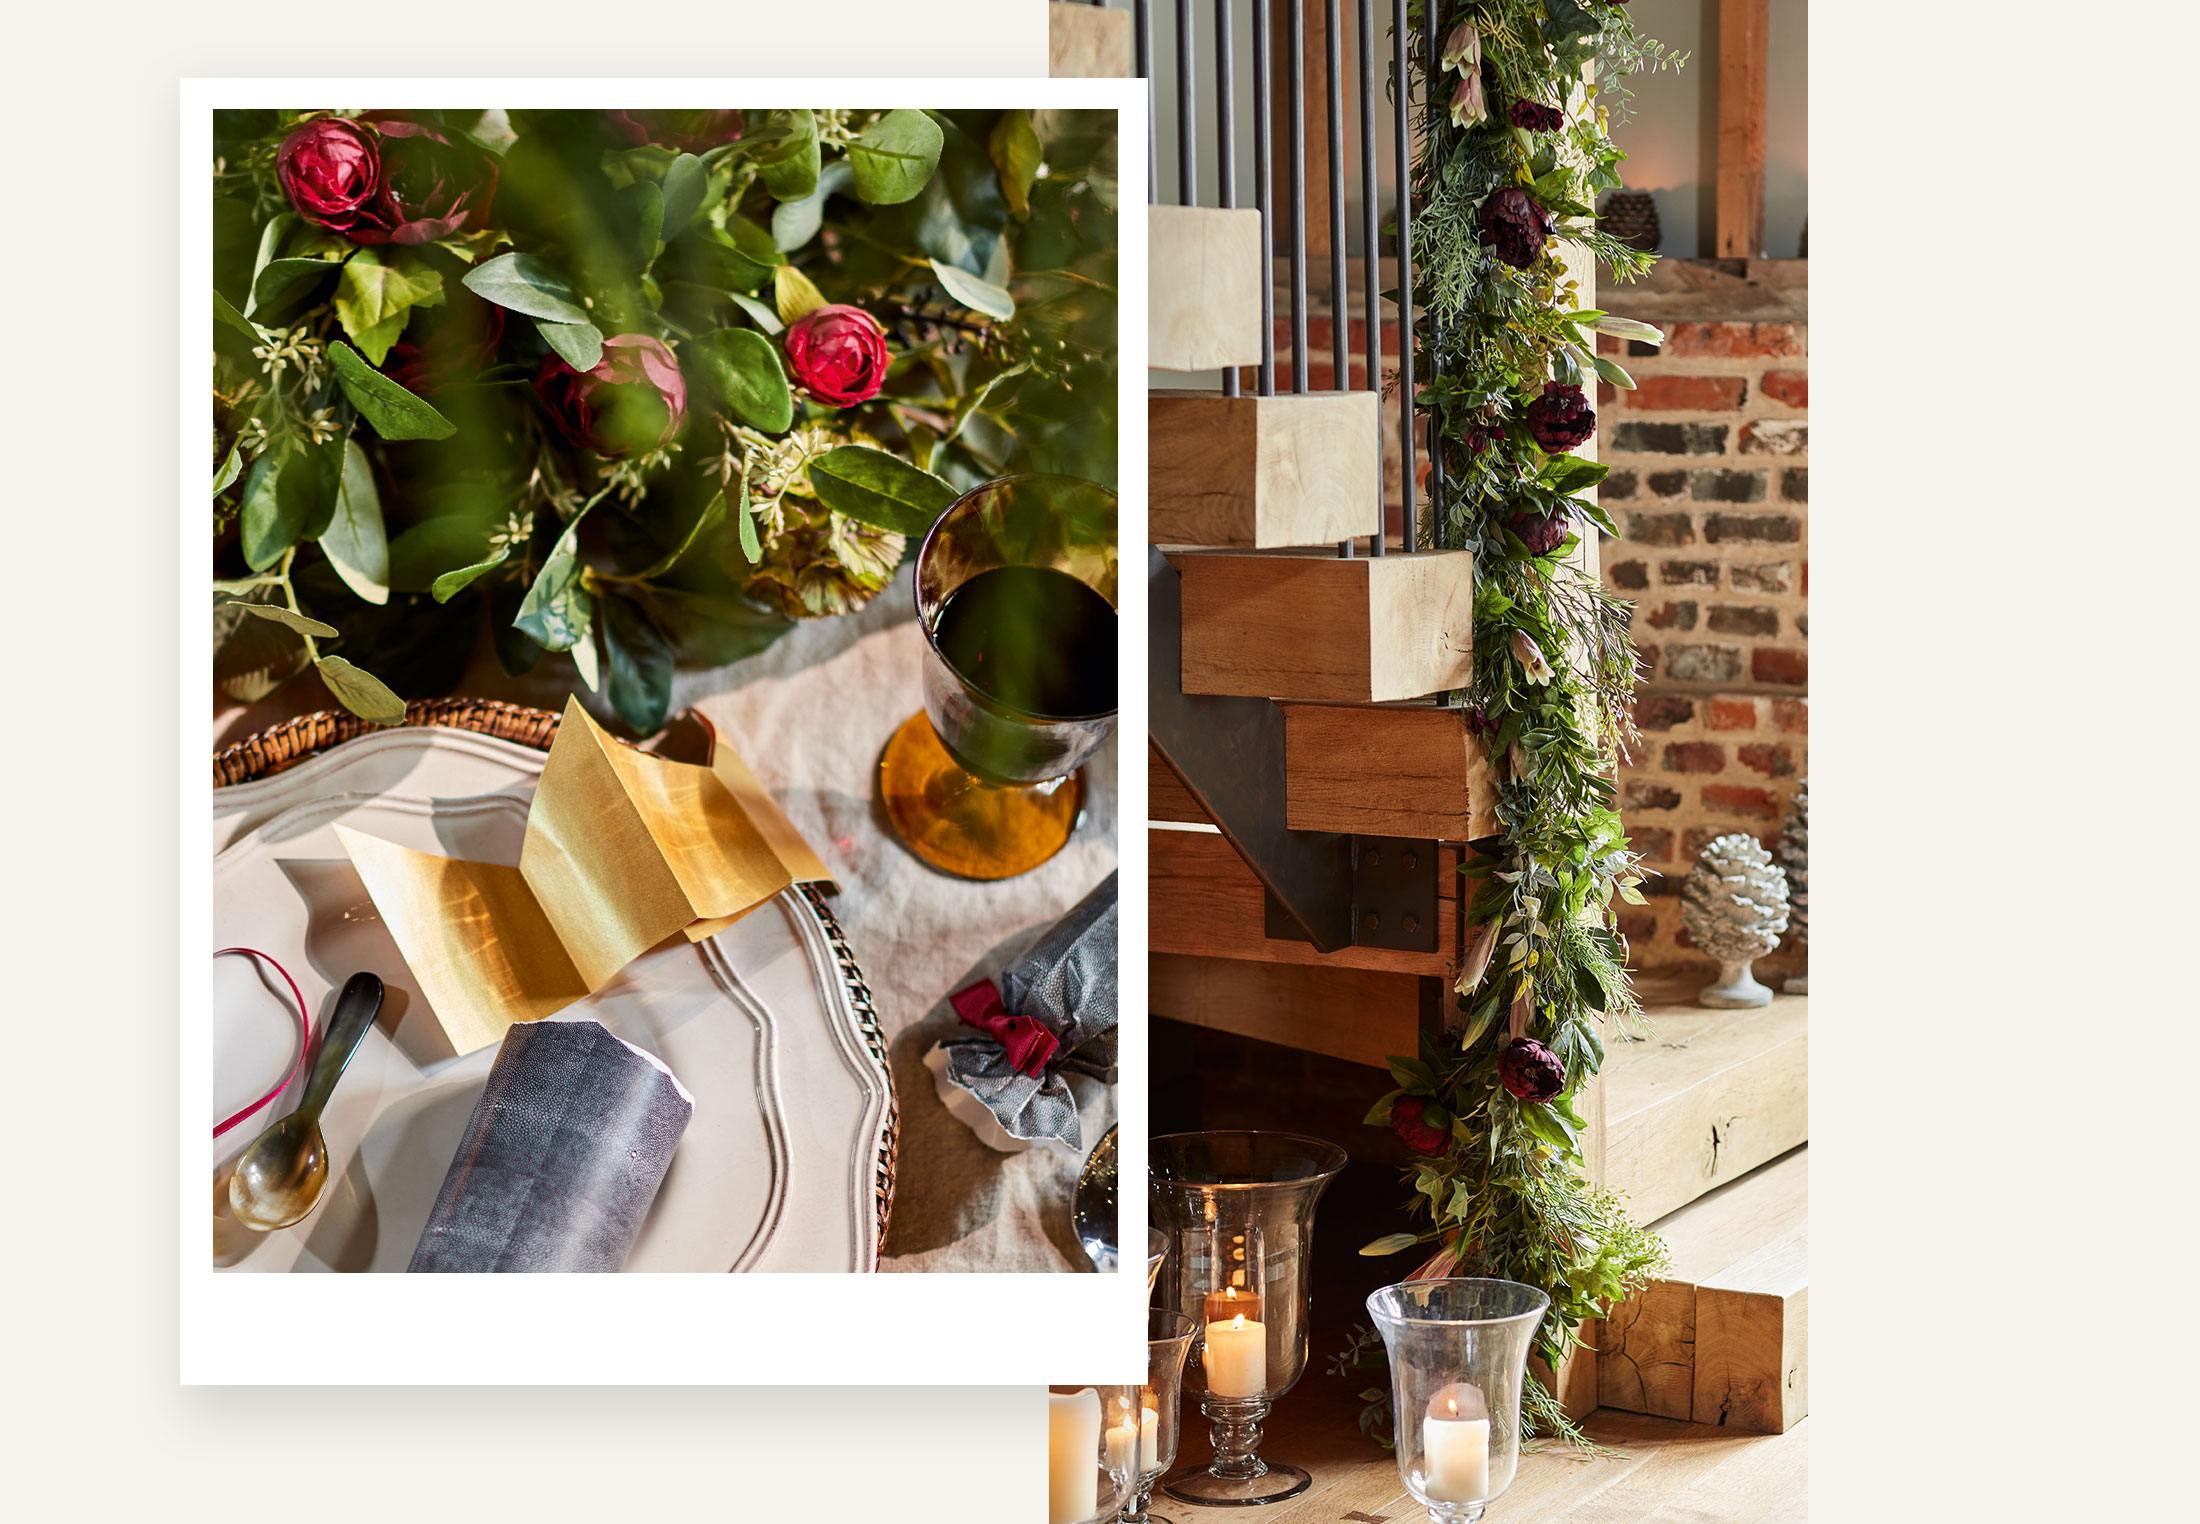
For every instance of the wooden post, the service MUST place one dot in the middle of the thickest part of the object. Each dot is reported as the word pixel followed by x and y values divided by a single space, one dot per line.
pixel 1317 124
pixel 1741 157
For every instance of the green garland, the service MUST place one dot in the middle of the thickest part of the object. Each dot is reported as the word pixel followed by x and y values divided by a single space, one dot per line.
pixel 1507 362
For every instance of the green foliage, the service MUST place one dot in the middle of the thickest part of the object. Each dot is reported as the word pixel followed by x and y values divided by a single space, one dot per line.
pixel 387 476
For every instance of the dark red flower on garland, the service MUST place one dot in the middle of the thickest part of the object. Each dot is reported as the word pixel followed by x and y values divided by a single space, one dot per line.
pixel 632 402
pixel 1514 226
pixel 1480 439
pixel 1530 1071
pixel 1479 722
pixel 446 345
pixel 431 186
pixel 1561 418
pixel 1423 1138
pixel 1542 533
pixel 1536 117
pixel 688 131
pixel 331 169
pixel 838 355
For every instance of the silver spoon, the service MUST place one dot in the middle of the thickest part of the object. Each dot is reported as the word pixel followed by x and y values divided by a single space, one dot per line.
pixel 280 1178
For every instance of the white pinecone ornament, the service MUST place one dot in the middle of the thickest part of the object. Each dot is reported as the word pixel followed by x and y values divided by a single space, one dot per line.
pixel 1734 906
pixel 1793 855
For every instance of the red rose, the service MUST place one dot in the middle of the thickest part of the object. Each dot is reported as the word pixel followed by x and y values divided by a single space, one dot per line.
pixel 431 187
pixel 688 131
pixel 838 355
pixel 1418 1134
pixel 446 345
pixel 330 169
pixel 632 402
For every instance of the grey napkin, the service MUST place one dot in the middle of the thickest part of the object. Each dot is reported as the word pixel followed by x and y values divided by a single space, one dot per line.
pixel 562 1157
pixel 1066 981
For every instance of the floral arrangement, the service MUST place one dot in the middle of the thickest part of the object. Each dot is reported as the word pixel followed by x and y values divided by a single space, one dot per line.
pixel 1517 146
pixel 634 387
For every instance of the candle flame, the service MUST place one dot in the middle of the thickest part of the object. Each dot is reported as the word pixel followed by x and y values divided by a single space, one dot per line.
pixel 1453 1404
pixel 1238 1321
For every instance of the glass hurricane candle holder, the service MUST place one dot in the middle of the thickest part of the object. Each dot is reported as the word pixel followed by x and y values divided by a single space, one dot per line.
pixel 1015 591
pixel 1092 1460
pixel 1160 1404
pixel 1157 1250
pixel 1458 1354
pixel 1239 1211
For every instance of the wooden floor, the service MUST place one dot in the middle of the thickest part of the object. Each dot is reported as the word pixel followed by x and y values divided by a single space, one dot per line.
pixel 1663 1472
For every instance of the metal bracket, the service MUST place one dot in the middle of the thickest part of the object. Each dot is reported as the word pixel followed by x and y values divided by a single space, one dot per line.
pixel 1394 898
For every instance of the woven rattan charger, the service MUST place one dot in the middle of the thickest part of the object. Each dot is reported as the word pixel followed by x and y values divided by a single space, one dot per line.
pixel 284 746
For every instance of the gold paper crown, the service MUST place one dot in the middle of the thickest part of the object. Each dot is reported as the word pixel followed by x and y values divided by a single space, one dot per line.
pixel 622 850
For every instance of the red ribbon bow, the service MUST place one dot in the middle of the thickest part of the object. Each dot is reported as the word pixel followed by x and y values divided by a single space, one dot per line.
pixel 1028 1045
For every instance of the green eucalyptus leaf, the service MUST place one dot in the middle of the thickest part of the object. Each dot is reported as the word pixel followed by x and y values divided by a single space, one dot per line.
pixel 228 471
pixel 265 529
pixel 394 412
pixel 361 691
pixel 452 583
pixel 739 369
pixel 879 489
pixel 787 157
pixel 795 223
pixel 281 281
pixel 225 312
pixel 751 547
pixel 893 159
pixel 557 611
pixel 686 180
pixel 977 295
pixel 354 541
pixel 1015 151
pixel 764 317
pixel 288 619
pixel 640 666
pixel 526 284
pixel 579 345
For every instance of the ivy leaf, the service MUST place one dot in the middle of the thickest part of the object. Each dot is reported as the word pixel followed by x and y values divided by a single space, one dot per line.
pixel 977 295
pixel 1378 1115
pixel 1413 1075
pixel 374 300
pixel 288 619
pixel 894 158
pixel 685 182
pixel 876 488
pixel 640 666
pixel 795 294
pixel 1389 1243
pixel 355 542
pixel 394 412
pixel 1015 151
pixel 579 345
pixel 787 160
pixel 526 284
pixel 361 691
pixel 739 368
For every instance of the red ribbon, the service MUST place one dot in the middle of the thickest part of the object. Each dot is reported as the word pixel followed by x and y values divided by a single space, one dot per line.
pixel 1028 1045
pixel 304 1037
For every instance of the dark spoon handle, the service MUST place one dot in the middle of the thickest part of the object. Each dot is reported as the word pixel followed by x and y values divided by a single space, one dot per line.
pixel 355 1010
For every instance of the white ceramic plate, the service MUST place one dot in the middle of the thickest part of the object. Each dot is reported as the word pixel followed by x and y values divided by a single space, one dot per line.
pixel 786 1164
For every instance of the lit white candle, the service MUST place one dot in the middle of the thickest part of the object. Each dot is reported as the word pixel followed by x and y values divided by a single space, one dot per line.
pixel 1149 1434
pixel 1073 1456
pixel 1123 1441
pixel 1237 1357
pixel 1455 1445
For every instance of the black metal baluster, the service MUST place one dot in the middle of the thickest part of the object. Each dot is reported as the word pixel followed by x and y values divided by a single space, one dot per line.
pixel 1340 296
pixel 1371 254
pixel 1297 39
pixel 1142 28
pixel 1264 176
pixel 1432 76
pixel 1401 40
pixel 1187 163
pixel 1226 138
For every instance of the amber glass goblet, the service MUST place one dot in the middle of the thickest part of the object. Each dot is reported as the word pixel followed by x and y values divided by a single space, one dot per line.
pixel 1015 592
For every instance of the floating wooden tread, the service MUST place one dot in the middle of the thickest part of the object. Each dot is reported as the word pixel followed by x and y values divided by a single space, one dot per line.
pixel 1404 770
pixel 1203 900
pixel 1721 1337
pixel 1203 302
pixel 1089 42
pixel 1263 472
pixel 1361 1015
pixel 1710 1096
pixel 1322 628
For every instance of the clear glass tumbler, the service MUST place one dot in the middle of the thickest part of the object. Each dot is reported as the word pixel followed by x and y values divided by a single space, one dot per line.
pixel 1239 1211
pixel 1458 1354
pixel 1092 1455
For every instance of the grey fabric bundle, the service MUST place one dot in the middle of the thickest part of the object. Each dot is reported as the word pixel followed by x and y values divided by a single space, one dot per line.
pixel 562 1157
pixel 1066 981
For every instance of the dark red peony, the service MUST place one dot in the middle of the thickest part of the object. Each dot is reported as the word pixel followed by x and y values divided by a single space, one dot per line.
pixel 1536 117
pixel 838 355
pixel 688 131
pixel 1530 1071
pixel 331 169
pixel 431 186
pixel 1561 418
pixel 1542 533
pixel 444 346
pixel 632 402
pixel 1479 722
pixel 1514 226
pixel 1406 1120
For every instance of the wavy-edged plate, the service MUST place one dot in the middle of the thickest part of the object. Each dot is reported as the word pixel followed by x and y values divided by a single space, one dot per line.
pixel 788 1161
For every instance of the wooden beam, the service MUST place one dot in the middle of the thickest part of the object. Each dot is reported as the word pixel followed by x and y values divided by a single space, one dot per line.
pixel 1262 473
pixel 1203 306
pixel 1089 42
pixel 1405 771
pixel 1360 1015
pixel 1741 153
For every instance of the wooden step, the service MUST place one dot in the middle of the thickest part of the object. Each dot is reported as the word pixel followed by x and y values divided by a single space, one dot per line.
pixel 1263 472
pixel 1089 42
pixel 1203 302
pixel 1202 900
pixel 1323 628
pixel 1361 1015
pixel 1405 770
pixel 1711 1095
pixel 1720 1338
